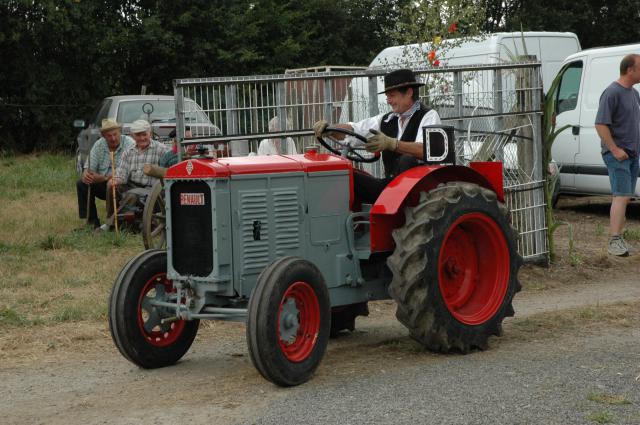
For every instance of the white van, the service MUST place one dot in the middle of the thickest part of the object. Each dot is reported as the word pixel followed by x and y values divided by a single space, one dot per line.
pixel 577 150
pixel 551 48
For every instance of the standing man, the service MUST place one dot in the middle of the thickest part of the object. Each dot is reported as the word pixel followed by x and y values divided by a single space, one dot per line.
pixel 97 170
pixel 396 134
pixel 617 123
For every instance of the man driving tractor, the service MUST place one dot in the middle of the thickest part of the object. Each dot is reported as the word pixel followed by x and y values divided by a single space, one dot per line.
pixel 396 134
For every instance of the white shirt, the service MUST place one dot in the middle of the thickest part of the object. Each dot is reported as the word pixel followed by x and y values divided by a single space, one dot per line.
pixel 362 127
pixel 271 147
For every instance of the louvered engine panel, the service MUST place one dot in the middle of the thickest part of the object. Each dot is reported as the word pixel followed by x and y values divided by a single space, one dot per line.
pixel 287 221
pixel 255 231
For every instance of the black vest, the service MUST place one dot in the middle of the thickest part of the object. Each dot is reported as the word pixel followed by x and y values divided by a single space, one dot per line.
pixel 390 128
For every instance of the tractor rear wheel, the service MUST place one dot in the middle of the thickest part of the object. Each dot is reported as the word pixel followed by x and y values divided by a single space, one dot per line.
pixel 154 218
pixel 136 323
pixel 288 321
pixel 455 268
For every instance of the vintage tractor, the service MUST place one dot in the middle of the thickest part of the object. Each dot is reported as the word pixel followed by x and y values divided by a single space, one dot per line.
pixel 281 243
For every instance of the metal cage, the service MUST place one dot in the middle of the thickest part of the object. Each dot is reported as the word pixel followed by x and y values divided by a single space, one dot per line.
pixel 495 110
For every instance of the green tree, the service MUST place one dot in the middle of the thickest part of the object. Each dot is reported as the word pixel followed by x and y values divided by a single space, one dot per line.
pixel 57 60
pixel 596 23
pixel 62 57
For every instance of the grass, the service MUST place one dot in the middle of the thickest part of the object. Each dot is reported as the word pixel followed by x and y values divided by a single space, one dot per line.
pixel 599 229
pixel 602 417
pixel 40 173
pixel 551 324
pixel 10 317
pixel 610 399
pixel 632 234
pixel 50 272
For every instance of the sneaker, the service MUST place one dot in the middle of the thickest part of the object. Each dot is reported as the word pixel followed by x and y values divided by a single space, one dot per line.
pixel 617 246
pixel 101 229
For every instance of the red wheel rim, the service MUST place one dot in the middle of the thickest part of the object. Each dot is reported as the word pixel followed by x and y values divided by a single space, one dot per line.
pixel 298 322
pixel 473 268
pixel 149 317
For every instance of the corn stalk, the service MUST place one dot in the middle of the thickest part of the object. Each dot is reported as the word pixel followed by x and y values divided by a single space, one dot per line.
pixel 549 134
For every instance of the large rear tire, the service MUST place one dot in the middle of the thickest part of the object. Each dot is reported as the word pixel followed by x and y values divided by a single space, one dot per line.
pixel 455 268
pixel 288 321
pixel 136 324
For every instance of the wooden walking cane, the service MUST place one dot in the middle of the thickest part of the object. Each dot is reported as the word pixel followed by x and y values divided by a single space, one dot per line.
pixel 113 192
pixel 89 191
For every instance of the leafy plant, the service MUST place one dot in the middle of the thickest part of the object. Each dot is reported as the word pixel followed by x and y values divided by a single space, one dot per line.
pixel 549 134
pixel 428 31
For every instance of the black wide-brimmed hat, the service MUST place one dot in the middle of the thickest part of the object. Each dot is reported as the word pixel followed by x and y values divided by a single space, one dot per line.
pixel 399 79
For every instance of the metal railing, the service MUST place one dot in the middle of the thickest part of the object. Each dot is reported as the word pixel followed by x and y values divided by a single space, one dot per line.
pixel 495 110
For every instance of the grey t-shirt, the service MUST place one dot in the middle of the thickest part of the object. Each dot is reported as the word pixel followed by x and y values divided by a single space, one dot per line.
pixel 620 109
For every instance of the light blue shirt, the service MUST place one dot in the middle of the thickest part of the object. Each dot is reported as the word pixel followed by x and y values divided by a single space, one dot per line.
pixel 100 158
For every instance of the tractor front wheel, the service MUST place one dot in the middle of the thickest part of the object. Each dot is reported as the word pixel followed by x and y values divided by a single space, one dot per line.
pixel 455 268
pixel 288 321
pixel 145 332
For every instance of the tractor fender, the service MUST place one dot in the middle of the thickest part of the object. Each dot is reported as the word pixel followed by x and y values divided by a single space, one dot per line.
pixel 387 212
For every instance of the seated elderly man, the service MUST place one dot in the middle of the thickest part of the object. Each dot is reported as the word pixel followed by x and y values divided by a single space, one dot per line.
pixel 97 170
pixel 129 174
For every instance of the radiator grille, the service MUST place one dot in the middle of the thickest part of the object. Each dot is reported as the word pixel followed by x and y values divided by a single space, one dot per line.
pixel 191 230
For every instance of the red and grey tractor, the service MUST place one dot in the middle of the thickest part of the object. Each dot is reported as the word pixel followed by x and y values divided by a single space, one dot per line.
pixel 281 243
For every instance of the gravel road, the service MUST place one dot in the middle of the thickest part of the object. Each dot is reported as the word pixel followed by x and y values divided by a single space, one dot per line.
pixel 374 375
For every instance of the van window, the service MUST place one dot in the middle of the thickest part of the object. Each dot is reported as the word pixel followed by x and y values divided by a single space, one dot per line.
pixel 569 87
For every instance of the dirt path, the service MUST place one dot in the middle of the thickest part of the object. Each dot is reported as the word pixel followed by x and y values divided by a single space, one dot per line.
pixel 216 383
pixel 529 303
pixel 72 373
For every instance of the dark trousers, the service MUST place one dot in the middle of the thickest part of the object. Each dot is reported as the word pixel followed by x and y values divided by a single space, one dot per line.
pixel 98 190
pixel 367 188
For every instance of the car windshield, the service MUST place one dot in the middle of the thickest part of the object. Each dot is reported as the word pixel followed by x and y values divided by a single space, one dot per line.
pixel 163 111
pixel 130 111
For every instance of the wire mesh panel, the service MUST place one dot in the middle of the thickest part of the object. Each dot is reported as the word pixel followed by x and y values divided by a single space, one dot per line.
pixel 495 110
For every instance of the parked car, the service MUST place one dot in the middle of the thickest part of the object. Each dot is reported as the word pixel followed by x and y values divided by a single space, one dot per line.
pixel 159 110
pixel 584 76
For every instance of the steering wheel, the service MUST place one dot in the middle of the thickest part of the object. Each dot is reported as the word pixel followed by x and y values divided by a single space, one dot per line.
pixel 349 149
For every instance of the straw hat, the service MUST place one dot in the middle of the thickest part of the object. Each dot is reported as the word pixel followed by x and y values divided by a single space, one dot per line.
pixel 109 124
